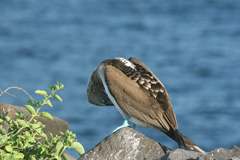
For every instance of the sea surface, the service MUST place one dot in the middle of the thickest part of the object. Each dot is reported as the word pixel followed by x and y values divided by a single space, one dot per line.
pixel 192 46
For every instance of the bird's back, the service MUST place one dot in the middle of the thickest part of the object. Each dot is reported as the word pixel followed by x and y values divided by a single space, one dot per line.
pixel 140 95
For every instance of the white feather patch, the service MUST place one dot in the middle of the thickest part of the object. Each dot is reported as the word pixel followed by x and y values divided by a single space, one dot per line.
pixel 126 62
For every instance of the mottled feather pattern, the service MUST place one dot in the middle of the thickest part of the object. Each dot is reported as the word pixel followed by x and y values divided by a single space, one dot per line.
pixel 161 112
pixel 145 80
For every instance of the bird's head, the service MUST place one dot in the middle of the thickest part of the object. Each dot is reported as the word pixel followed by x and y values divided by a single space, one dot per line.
pixel 96 93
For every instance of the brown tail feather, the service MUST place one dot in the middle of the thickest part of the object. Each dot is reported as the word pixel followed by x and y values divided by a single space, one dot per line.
pixel 184 142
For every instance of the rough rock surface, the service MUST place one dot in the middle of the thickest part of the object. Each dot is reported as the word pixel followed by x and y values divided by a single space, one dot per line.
pixel 126 144
pixel 222 154
pixel 181 154
pixel 54 126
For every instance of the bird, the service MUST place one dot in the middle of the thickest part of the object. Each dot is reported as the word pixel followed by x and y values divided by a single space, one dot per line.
pixel 139 96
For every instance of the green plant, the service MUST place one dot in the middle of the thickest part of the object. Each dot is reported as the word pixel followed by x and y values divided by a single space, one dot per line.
pixel 23 137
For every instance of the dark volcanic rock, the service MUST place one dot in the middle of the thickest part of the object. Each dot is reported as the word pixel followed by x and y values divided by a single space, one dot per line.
pixel 181 154
pixel 126 144
pixel 223 154
pixel 54 126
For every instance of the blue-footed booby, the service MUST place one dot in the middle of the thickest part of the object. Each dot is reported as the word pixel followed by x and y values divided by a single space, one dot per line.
pixel 139 96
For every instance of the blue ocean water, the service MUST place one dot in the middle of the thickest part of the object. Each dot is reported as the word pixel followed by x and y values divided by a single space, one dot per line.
pixel 193 47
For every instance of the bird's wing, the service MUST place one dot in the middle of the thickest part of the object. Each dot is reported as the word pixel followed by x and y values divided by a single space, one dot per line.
pixel 157 90
pixel 136 101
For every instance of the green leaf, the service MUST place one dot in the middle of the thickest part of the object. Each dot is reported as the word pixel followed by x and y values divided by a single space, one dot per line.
pixel 59 147
pixel 36 125
pixel 30 109
pixel 49 103
pixel 3 139
pixel 9 148
pixel 47 115
pixel 1 120
pixel 58 98
pixel 22 123
pixel 41 92
pixel 33 157
pixel 59 86
pixel 78 147
pixel 7 118
pixel 18 155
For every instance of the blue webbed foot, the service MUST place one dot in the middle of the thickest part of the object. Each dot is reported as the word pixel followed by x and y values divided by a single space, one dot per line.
pixel 125 124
